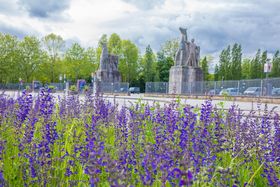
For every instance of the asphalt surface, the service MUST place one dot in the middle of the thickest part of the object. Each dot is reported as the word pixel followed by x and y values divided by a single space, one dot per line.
pixel 226 104
pixel 128 100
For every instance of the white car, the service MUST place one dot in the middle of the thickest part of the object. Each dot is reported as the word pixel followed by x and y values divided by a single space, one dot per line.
pixel 276 91
pixel 255 91
pixel 230 92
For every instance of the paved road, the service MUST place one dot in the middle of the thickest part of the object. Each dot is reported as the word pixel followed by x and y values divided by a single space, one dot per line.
pixel 127 100
pixel 246 106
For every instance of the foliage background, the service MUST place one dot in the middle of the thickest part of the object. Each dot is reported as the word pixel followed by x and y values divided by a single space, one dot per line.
pixel 46 59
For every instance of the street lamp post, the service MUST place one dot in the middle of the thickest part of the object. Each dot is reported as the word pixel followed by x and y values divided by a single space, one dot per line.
pixel 60 80
pixel 267 70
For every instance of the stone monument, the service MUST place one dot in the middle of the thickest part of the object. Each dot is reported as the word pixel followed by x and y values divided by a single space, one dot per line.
pixel 108 69
pixel 186 69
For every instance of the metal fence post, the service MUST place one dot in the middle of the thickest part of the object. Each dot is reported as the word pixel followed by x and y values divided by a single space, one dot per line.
pixel 238 87
pixel 202 88
pixel 215 87
pixel 146 91
pixel 261 88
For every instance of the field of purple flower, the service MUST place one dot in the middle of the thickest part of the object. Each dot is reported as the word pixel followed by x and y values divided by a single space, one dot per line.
pixel 73 143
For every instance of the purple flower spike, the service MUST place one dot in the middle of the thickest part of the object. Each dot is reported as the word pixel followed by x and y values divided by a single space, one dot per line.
pixel 190 176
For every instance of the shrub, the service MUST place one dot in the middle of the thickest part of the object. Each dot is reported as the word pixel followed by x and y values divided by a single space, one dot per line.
pixel 73 88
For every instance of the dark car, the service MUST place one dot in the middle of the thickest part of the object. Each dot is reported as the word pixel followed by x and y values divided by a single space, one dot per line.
pixel 37 85
pixel 134 90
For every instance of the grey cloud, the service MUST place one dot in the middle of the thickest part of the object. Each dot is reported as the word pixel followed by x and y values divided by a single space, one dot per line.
pixel 141 32
pixel 147 4
pixel 253 25
pixel 19 32
pixel 44 8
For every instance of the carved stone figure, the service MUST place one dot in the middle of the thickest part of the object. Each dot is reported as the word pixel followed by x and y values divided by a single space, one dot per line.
pixel 181 54
pixel 113 61
pixel 104 57
pixel 186 73
pixel 188 52
pixel 108 69
pixel 192 54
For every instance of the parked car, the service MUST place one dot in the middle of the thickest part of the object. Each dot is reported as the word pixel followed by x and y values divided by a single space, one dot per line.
pixel 254 91
pixel 134 90
pixel 214 92
pixel 276 92
pixel 229 91
pixel 37 85
pixel 123 90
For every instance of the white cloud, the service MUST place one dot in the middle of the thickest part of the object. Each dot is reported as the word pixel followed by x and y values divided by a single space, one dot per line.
pixel 213 23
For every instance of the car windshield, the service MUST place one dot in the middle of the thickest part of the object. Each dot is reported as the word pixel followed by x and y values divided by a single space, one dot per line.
pixel 232 89
pixel 134 89
pixel 252 89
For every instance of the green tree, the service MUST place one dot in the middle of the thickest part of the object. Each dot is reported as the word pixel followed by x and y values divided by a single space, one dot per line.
pixel 205 69
pixel 79 62
pixel 255 66
pixel 114 44
pixel 128 61
pixel 216 73
pixel 31 57
pixel 224 69
pixel 236 60
pixel 163 66
pixel 170 47
pixel 9 61
pixel 149 65
pixel 276 65
pixel 91 56
pixel 53 45
pixel 43 73
pixel 230 64
pixel 246 69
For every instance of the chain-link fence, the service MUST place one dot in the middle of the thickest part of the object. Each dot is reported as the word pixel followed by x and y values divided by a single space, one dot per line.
pixel 113 87
pixel 256 87
pixel 32 86
pixel 157 87
pixel 104 87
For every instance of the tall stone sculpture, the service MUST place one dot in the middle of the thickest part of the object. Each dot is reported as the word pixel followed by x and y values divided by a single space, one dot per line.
pixel 181 55
pixel 108 69
pixel 186 69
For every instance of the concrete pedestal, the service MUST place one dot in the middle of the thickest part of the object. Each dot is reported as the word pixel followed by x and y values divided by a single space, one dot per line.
pixel 182 79
pixel 108 76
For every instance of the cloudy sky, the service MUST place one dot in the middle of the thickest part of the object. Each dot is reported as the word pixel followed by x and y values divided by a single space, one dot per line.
pixel 213 23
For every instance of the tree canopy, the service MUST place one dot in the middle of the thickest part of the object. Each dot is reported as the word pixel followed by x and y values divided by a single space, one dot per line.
pixel 46 59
